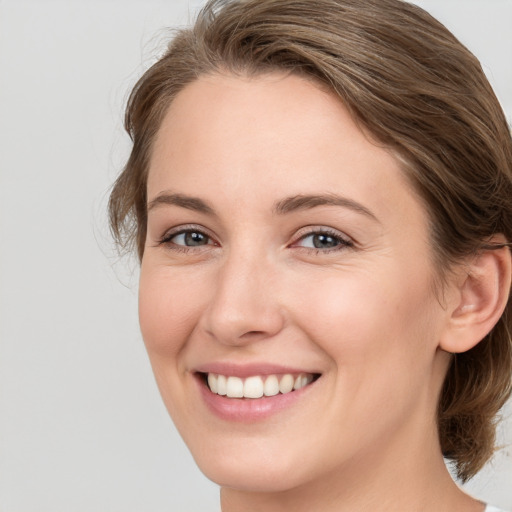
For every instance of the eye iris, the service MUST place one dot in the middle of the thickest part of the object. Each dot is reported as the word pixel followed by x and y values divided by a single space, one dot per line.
pixel 193 238
pixel 324 241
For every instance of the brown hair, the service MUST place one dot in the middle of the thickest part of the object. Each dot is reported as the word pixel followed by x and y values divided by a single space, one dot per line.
pixel 408 81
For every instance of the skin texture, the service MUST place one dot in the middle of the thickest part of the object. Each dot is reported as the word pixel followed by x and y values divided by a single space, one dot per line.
pixel 366 316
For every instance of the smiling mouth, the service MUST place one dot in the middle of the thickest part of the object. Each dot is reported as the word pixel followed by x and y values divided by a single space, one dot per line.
pixel 257 386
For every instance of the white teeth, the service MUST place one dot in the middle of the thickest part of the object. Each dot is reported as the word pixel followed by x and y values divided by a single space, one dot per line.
pixel 212 382
pixel 286 383
pixel 235 387
pixel 302 380
pixel 253 387
pixel 256 386
pixel 221 385
pixel 271 387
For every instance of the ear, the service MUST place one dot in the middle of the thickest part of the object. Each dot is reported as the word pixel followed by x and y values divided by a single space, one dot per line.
pixel 481 294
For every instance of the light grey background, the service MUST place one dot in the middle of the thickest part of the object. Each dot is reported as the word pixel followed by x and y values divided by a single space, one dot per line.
pixel 82 428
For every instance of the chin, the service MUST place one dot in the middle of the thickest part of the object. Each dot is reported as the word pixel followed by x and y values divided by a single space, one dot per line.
pixel 251 480
pixel 252 472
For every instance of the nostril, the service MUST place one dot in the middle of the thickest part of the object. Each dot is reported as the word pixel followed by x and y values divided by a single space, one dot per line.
pixel 252 334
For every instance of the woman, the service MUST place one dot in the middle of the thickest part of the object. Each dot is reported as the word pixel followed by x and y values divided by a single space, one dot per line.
pixel 319 193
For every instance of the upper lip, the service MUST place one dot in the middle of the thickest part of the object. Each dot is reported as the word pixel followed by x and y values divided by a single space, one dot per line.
pixel 248 370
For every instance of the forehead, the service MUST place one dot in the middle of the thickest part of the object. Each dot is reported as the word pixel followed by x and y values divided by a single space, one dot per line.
pixel 237 136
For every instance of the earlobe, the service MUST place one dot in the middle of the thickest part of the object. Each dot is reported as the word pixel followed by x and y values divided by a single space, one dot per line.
pixel 482 295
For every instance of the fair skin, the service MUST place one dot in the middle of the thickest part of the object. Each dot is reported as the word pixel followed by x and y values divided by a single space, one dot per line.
pixel 242 277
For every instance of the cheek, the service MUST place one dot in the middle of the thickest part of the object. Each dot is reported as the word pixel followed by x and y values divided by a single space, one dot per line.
pixel 380 336
pixel 168 309
pixel 374 323
pixel 169 305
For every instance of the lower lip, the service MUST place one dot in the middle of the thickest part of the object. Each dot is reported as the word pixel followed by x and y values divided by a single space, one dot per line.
pixel 248 410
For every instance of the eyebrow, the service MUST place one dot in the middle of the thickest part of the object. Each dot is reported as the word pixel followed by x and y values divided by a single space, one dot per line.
pixel 306 202
pixel 282 207
pixel 181 200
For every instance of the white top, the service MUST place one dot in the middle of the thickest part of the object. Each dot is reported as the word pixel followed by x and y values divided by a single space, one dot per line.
pixel 490 508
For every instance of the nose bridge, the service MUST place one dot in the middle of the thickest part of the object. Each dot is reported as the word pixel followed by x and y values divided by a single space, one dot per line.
pixel 243 305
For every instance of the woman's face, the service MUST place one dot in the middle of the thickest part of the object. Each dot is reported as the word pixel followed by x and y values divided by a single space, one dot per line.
pixel 285 247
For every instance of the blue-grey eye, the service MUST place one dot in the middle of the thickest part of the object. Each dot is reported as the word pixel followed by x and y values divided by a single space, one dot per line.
pixel 320 241
pixel 325 241
pixel 190 239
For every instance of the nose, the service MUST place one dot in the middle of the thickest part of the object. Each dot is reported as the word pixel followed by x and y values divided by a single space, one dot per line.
pixel 244 307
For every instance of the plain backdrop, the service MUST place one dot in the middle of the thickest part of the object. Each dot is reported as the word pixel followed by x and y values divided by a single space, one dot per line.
pixel 82 428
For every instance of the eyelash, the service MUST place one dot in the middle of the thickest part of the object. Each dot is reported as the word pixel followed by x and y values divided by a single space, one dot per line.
pixel 342 242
